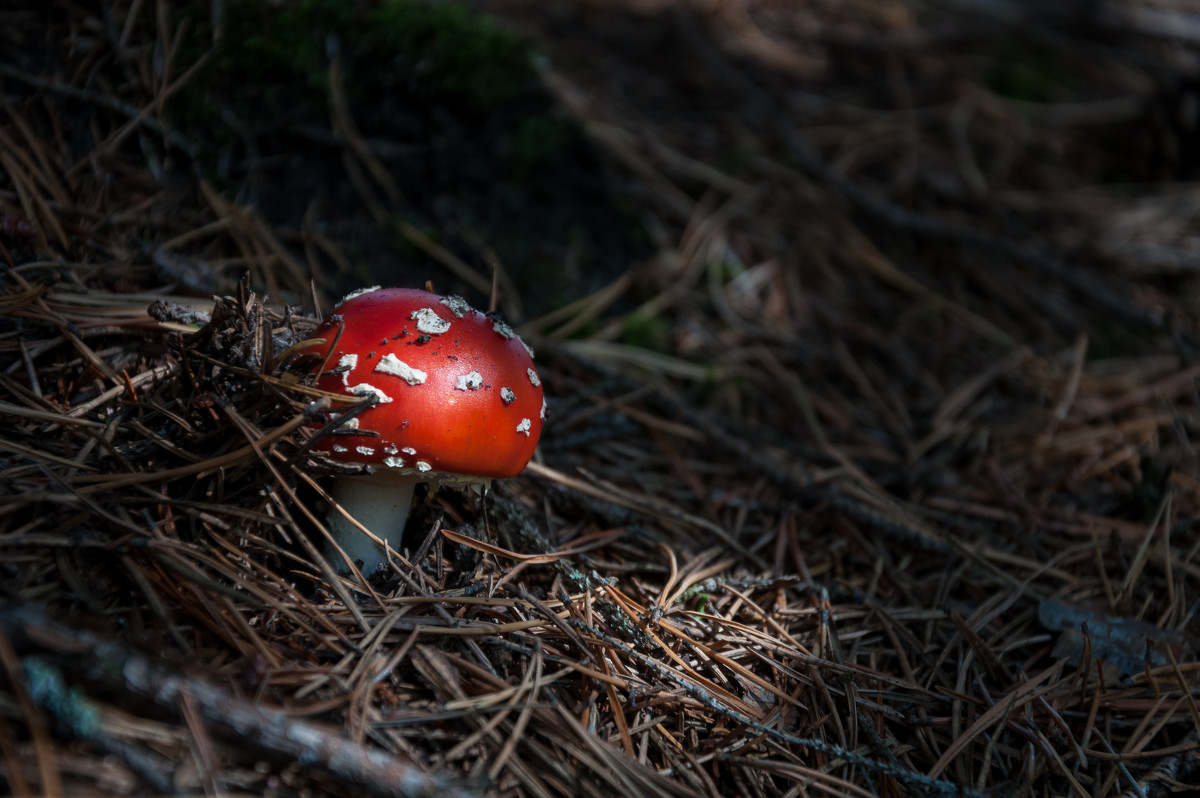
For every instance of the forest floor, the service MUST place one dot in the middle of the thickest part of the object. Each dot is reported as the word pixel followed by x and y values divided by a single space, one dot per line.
pixel 869 336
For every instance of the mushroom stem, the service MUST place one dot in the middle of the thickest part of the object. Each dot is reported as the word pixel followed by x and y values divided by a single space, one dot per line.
pixel 379 502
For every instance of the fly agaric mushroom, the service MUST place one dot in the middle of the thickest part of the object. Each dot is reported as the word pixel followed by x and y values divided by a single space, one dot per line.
pixel 456 400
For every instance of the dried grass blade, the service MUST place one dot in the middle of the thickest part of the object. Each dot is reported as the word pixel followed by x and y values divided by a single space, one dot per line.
pixel 1001 708
pixel 588 542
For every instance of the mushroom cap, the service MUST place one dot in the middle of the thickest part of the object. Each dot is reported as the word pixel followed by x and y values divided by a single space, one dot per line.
pixel 456 390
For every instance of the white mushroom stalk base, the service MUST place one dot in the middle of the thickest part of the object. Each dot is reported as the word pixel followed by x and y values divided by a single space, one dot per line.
pixel 379 502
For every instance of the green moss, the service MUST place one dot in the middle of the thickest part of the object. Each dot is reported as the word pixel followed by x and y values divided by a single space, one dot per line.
pixel 645 331
pixel 1023 71
pixel 739 160
pixel 537 142
pixel 586 330
pixel 1112 339
pixel 288 42
pixel 400 245
pixel 448 101
pixel 462 52
pixel 276 59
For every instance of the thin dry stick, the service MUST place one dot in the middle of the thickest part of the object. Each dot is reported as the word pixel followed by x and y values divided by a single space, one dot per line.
pixel 252 724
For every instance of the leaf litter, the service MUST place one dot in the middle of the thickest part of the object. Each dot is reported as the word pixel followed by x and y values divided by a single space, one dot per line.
pixel 873 478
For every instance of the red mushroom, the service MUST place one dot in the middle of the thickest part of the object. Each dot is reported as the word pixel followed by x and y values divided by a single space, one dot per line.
pixel 457 400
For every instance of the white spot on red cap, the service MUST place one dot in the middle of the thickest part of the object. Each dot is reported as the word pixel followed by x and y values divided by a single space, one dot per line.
pixel 501 327
pixel 524 426
pixel 390 364
pixel 458 306
pixel 365 451
pixel 347 364
pixel 367 389
pixel 469 382
pixel 533 378
pixel 358 293
pixel 429 322
pixel 393 462
pixel 507 396
pixel 409 451
pixel 423 466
